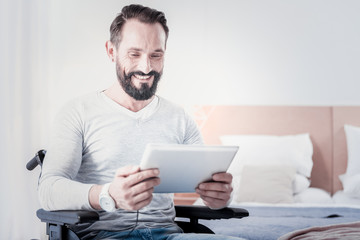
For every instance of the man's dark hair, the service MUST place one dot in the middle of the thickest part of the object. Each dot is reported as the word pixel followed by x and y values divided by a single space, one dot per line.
pixel 139 12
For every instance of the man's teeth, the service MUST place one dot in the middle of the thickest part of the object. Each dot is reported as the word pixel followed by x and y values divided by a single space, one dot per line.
pixel 142 77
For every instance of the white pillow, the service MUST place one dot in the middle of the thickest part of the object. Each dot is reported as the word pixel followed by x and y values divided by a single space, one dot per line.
pixel 270 150
pixel 313 195
pixel 353 148
pixel 340 197
pixel 266 184
pixel 351 185
pixel 300 183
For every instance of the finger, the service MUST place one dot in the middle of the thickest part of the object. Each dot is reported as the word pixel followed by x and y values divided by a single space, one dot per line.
pixel 140 192
pixel 222 177
pixel 138 201
pixel 139 177
pixel 215 186
pixel 127 171
pixel 129 199
pixel 136 205
pixel 144 196
pixel 214 203
pixel 214 195
pixel 144 203
pixel 145 186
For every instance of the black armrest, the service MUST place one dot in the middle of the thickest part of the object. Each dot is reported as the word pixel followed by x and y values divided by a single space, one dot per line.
pixel 194 213
pixel 67 216
pixel 57 221
pixel 202 212
pixel 197 212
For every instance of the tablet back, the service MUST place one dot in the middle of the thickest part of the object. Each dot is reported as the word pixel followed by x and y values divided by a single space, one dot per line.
pixel 183 167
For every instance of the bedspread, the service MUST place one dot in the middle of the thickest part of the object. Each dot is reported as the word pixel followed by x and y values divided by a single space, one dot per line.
pixel 267 222
pixel 344 231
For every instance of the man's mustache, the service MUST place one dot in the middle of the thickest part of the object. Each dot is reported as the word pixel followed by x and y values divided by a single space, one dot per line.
pixel 151 73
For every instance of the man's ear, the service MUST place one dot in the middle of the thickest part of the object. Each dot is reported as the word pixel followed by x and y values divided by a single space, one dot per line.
pixel 110 50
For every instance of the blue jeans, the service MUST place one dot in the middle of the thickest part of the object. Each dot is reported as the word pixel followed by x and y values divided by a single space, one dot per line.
pixel 171 233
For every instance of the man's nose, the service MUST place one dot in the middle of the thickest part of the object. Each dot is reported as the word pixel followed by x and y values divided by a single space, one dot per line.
pixel 145 65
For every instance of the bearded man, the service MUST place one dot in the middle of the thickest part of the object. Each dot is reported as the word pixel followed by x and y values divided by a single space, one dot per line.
pixel 98 140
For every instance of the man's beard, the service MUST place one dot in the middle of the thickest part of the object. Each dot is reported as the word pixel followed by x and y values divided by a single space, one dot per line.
pixel 145 92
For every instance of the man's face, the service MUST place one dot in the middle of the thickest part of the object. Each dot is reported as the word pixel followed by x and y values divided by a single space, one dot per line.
pixel 140 58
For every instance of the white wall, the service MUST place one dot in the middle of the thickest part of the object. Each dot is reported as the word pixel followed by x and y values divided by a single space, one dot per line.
pixel 262 52
pixel 23 113
pixel 254 52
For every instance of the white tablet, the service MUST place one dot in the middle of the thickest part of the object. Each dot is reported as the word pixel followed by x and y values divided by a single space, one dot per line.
pixel 183 167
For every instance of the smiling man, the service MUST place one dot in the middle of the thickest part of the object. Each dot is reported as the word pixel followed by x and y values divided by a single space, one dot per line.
pixel 98 140
pixel 139 61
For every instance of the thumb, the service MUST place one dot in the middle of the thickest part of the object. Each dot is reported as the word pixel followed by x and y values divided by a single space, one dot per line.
pixel 127 170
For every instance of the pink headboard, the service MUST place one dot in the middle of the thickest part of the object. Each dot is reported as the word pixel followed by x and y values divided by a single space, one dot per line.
pixel 342 116
pixel 322 123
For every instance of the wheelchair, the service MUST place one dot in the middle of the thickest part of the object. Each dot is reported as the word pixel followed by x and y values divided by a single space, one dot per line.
pixel 58 222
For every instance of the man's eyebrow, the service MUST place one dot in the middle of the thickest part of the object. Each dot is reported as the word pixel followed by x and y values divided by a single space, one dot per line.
pixel 159 50
pixel 135 49
pixel 140 50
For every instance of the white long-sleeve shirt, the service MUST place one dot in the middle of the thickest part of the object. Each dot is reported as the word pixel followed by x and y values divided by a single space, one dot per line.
pixel 93 136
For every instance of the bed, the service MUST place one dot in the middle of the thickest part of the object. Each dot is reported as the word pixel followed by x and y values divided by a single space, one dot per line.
pixel 297 171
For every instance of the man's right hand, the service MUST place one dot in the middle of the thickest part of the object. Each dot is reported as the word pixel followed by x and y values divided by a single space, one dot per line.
pixel 132 189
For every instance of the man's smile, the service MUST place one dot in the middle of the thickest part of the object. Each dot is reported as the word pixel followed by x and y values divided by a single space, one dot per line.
pixel 143 77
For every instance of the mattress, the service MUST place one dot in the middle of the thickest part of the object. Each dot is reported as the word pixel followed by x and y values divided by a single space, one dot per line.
pixel 272 222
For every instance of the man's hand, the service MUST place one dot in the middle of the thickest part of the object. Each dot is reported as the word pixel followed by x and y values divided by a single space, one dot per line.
pixel 217 193
pixel 132 189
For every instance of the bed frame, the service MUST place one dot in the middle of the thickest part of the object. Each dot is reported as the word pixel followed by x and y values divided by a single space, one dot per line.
pixel 324 123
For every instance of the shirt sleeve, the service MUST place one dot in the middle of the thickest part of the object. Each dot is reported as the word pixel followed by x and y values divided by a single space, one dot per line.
pixel 57 188
pixel 192 134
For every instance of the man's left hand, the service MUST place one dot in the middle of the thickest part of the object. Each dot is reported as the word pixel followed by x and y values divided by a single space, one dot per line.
pixel 216 194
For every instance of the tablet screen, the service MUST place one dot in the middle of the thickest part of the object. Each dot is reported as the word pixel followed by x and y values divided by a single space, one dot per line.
pixel 183 167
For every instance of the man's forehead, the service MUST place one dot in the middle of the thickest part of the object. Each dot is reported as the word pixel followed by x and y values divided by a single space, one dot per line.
pixel 136 33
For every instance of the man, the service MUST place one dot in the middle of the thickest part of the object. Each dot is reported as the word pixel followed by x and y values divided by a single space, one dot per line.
pixel 92 161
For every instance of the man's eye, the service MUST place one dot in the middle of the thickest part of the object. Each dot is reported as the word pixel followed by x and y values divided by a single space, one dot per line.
pixel 134 55
pixel 156 55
